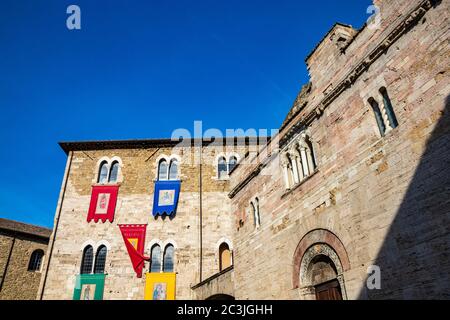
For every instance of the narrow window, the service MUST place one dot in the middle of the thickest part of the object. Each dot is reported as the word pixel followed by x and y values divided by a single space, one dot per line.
pixel 291 172
pixel 36 260
pixel 173 170
pixel 253 208
pixel 162 170
pixel 114 172
pixel 257 215
pixel 155 259
pixel 378 116
pixel 310 156
pixel 232 163
pixel 393 123
pixel 103 172
pixel 87 260
pixel 168 258
pixel 222 168
pixel 100 260
pixel 224 256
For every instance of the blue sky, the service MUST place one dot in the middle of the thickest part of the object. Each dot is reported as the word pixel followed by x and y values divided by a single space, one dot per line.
pixel 140 69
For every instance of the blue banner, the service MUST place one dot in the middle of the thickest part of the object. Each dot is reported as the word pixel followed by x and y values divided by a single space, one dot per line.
pixel 165 198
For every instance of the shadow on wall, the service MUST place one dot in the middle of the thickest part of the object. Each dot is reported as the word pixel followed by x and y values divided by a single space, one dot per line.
pixel 415 257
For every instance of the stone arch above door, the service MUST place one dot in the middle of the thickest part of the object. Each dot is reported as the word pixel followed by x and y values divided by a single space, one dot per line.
pixel 314 243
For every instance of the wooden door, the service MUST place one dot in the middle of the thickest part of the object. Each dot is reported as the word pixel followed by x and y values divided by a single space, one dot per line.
pixel 329 291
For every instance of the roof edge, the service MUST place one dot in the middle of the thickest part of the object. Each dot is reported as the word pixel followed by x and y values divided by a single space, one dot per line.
pixel 68 146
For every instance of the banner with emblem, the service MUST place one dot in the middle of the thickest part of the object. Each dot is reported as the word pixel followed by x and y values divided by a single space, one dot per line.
pixel 103 203
pixel 89 287
pixel 165 198
pixel 134 237
pixel 160 286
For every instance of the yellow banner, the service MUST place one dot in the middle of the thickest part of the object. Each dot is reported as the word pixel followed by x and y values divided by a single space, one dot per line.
pixel 160 286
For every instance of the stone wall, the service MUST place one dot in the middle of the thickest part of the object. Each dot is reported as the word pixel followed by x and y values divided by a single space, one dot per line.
pixel 18 282
pixel 384 198
pixel 373 200
pixel 134 206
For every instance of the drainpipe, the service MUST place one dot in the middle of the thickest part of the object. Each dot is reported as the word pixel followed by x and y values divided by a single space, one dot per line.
pixel 201 214
pixel 59 209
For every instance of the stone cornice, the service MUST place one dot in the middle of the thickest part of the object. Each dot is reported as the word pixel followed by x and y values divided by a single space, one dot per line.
pixel 403 27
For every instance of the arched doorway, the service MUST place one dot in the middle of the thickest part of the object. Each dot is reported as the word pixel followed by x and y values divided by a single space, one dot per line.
pixel 220 297
pixel 323 277
pixel 319 264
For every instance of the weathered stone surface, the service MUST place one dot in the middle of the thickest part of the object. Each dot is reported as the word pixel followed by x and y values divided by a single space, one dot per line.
pixel 17 243
pixel 385 198
pixel 134 206
pixel 372 200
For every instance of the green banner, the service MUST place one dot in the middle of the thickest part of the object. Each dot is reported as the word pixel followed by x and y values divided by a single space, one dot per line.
pixel 89 287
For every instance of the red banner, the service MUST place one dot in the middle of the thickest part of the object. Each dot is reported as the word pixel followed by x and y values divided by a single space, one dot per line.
pixel 103 203
pixel 134 237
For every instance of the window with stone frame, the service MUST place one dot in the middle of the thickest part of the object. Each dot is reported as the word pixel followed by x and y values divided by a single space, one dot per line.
pixel 36 260
pixel 173 170
pixel 222 168
pixel 103 172
pixel 378 116
pixel 232 163
pixel 163 170
pixel 225 259
pixel 384 112
pixel 225 166
pixel 298 161
pixel 114 172
pixel 168 260
pixel 389 109
pixel 87 260
pixel 108 173
pixel 155 258
pixel 100 260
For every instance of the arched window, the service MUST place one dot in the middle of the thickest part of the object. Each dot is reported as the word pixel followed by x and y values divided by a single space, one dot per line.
pixel 168 258
pixel 392 119
pixel 100 260
pixel 114 172
pixel 163 170
pixel 253 209
pixel 155 259
pixel 224 256
pixel 36 260
pixel 222 168
pixel 290 171
pixel 87 260
pixel 232 163
pixel 257 214
pixel 378 116
pixel 173 170
pixel 103 173
pixel 311 159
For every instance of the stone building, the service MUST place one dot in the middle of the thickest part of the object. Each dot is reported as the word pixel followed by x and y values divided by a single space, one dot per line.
pixel 350 200
pixel 203 170
pixel 22 250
